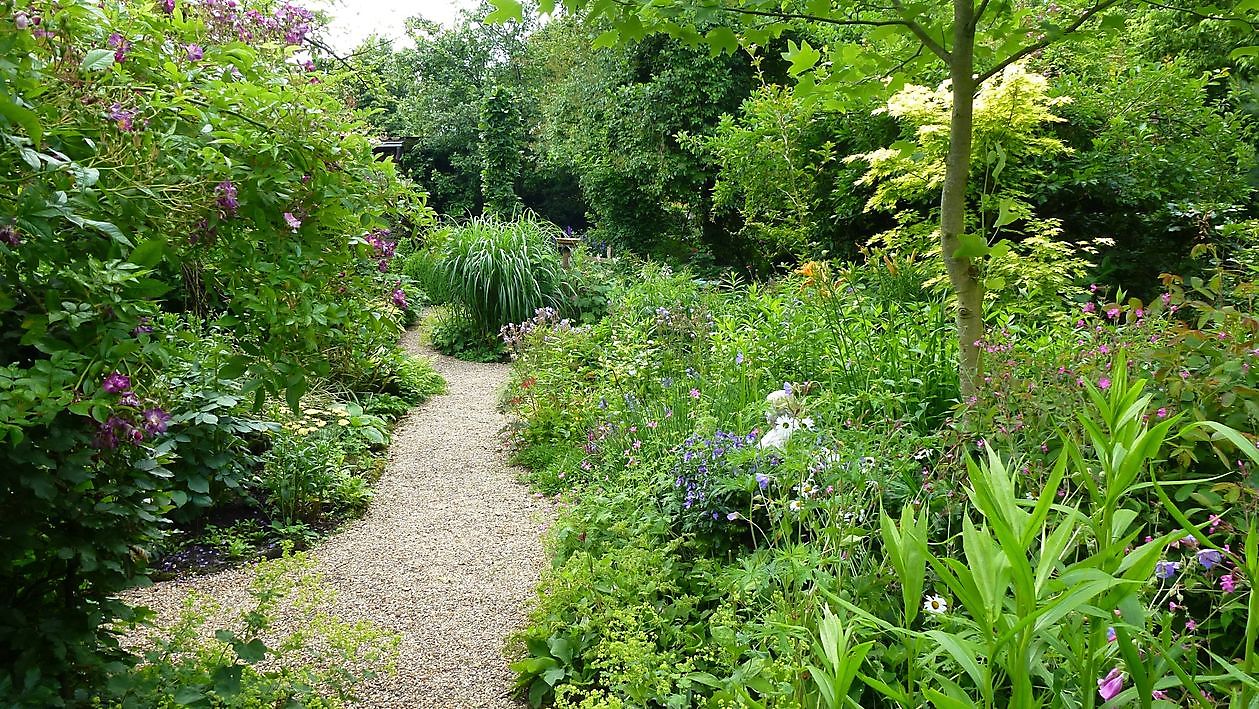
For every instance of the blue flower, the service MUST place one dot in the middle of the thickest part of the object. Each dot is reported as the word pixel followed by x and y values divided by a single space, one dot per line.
pixel 763 480
pixel 1208 558
pixel 738 359
pixel 1166 569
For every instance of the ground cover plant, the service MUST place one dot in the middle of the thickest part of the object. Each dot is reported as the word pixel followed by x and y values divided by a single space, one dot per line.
pixel 199 320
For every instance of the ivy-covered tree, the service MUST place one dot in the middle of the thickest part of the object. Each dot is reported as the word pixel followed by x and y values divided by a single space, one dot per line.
pixel 502 136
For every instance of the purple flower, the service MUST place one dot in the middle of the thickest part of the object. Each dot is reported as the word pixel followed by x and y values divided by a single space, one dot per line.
pixel 9 235
pixel 116 383
pixel 1110 635
pixel 1227 583
pixel 168 6
pixel 1112 313
pixel 155 420
pixel 194 51
pixel 1103 383
pixel 143 327
pixel 129 398
pixel 787 388
pixel 738 359
pixel 732 516
pixel 227 197
pixel 293 222
pixel 21 20
pixel 1090 308
pixel 1208 558
pixel 120 47
pixel 694 393
pixel 123 117
pixel 1166 569
pixel 762 480
pixel 399 298
pixel 1110 685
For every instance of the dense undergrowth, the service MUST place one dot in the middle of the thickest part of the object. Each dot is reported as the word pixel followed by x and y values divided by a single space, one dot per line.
pixel 774 498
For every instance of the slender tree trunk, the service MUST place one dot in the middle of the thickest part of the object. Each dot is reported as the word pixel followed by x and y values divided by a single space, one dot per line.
pixel 963 272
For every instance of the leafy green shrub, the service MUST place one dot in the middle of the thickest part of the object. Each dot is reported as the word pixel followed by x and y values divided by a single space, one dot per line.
pixel 155 161
pixel 459 337
pixel 249 664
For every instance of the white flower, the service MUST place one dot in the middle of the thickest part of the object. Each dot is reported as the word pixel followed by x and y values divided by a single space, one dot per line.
pixel 807 489
pixel 935 605
pixel 776 438
pixel 794 505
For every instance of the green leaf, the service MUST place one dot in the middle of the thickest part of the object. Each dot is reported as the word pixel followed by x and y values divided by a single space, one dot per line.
pixel 803 57
pixel 252 651
pixel 188 695
pixel 607 39
pixel 505 10
pixel 1006 213
pixel 971 246
pixel 994 283
pixel 722 39
pixel 23 117
pixel 148 253
pixel 97 59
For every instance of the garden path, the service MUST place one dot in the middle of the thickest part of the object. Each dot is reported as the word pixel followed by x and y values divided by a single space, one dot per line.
pixel 448 554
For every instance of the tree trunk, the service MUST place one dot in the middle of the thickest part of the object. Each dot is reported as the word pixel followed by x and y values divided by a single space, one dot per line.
pixel 963 272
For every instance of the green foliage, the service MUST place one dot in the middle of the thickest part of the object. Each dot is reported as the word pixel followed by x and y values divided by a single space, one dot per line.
pixel 732 540
pixel 502 137
pixel 247 664
pixel 498 272
pixel 156 162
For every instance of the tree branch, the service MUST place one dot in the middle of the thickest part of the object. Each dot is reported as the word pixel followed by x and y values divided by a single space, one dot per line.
pixel 1199 15
pixel 1037 46
pixel 927 40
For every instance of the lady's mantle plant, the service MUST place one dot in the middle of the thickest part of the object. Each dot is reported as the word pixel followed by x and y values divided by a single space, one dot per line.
pixel 165 155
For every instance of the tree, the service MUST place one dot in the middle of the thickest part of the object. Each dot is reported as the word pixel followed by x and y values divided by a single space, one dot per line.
pixel 973 40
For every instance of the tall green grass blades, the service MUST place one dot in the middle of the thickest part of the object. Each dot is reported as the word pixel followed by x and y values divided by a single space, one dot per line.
pixel 499 272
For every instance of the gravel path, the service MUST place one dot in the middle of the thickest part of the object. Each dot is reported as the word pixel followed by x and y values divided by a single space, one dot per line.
pixel 448 554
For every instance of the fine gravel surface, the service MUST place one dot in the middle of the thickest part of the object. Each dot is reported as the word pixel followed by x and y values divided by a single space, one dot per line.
pixel 448 554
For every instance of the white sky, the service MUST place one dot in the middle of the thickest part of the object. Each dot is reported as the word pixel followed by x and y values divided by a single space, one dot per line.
pixel 353 20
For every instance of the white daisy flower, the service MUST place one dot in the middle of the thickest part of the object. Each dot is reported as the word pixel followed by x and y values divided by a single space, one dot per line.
pixel 935 605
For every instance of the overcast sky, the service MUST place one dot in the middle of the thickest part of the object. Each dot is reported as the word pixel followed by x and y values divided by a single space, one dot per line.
pixel 354 20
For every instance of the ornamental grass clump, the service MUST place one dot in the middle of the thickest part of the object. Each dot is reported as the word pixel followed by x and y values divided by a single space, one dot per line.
pixel 498 272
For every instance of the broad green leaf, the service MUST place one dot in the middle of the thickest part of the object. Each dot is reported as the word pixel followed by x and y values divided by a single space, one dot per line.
pixel 803 57
pixel 971 246
pixel 505 10
pixel 97 59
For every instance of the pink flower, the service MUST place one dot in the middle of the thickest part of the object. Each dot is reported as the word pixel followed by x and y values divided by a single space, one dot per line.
pixel 1103 383
pixel 1111 685
pixel 1090 308
pixel 1227 584
pixel 1191 625
pixel 1160 694
pixel 1162 412
pixel 694 393
pixel 399 298
pixel 293 222
pixel 1112 313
